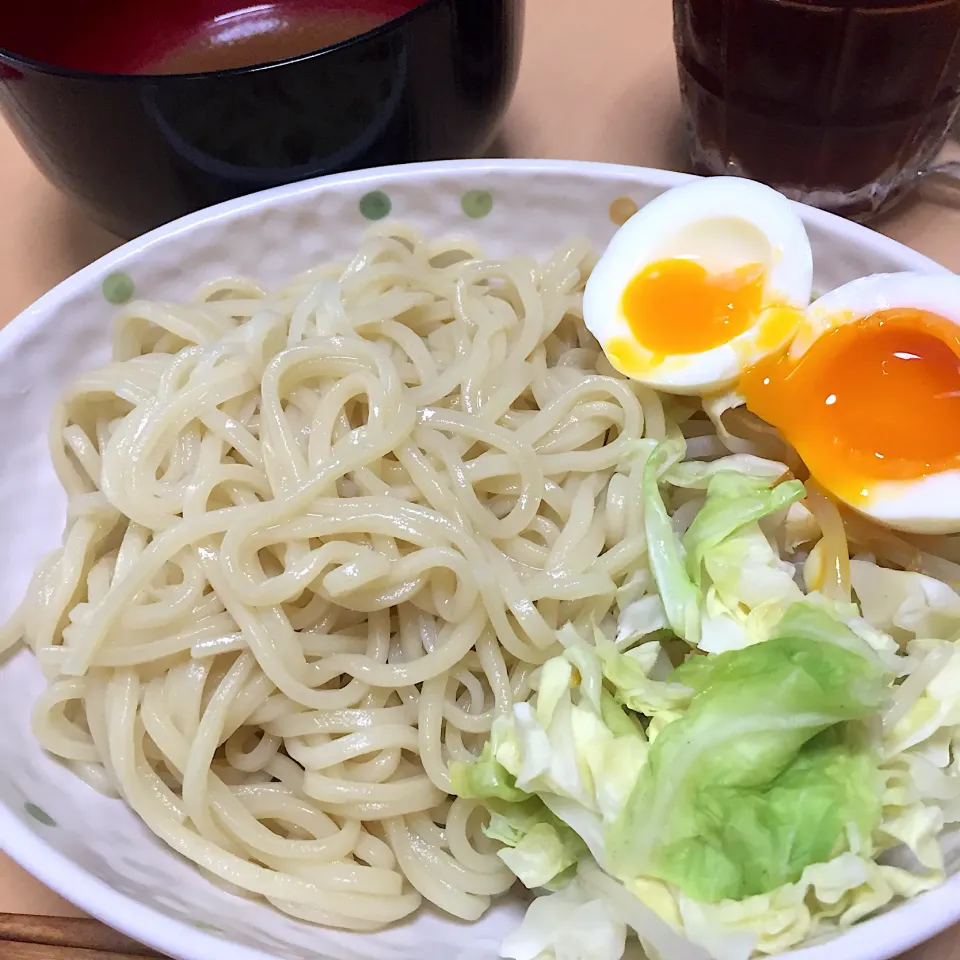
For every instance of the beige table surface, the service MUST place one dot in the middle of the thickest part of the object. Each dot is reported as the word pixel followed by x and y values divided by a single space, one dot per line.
pixel 597 83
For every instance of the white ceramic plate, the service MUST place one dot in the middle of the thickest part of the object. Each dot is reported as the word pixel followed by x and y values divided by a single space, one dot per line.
pixel 93 850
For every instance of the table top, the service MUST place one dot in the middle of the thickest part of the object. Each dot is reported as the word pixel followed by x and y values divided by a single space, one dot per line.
pixel 597 82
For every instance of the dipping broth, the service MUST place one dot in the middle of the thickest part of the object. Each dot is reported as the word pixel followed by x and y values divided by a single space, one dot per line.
pixel 263 35
pixel 187 36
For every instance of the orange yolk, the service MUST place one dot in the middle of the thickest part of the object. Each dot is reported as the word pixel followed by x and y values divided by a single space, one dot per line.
pixel 872 400
pixel 676 307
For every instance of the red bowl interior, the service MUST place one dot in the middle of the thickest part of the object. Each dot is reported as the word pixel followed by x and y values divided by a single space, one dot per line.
pixel 126 36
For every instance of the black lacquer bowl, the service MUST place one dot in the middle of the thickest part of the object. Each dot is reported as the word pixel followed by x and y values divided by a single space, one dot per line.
pixel 138 151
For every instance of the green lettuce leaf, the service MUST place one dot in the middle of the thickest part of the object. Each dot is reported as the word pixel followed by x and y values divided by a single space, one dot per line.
pixel 828 898
pixel 696 474
pixel 811 620
pixel 634 689
pixel 750 588
pixel 485 778
pixel 746 571
pixel 543 855
pixel 511 822
pixel 539 848
pixel 574 747
pixel 681 599
pixel 763 774
pixel 751 841
pixel 733 501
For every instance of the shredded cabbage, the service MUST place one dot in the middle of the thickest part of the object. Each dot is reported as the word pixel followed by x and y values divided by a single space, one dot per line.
pixel 763 773
pixel 739 764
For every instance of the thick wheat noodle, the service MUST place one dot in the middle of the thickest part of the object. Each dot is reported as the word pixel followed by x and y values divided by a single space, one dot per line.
pixel 835 550
pixel 318 538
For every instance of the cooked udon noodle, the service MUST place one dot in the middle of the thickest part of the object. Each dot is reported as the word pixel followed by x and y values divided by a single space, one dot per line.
pixel 317 538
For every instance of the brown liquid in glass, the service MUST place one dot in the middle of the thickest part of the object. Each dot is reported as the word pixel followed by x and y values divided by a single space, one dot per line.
pixel 263 35
pixel 836 102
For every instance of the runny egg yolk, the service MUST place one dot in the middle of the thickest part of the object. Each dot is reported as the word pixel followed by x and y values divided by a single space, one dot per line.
pixel 676 307
pixel 876 399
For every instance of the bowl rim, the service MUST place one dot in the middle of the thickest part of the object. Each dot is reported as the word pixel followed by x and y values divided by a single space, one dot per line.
pixel 21 62
pixel 878 938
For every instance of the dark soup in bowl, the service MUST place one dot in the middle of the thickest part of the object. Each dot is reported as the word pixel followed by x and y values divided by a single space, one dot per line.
pixel 187 36
pixel 144 112
pixel 264 34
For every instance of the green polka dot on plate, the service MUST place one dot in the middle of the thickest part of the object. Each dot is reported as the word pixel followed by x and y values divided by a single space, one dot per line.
pixel 118 288
pixel 375 205
pixel 41 816
pixel 477 204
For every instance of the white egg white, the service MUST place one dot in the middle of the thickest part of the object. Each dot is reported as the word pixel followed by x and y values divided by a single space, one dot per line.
pixel 927 505
pixel 723 223
pixel 937 293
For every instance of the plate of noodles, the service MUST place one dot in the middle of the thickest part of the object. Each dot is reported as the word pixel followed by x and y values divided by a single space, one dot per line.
pixel 488 559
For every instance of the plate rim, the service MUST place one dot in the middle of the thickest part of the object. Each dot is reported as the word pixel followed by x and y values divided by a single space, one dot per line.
pixel 28 319
pixel 879 938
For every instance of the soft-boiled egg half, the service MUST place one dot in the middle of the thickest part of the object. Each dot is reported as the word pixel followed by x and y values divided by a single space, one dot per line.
pixel 869 396
pixel 699 285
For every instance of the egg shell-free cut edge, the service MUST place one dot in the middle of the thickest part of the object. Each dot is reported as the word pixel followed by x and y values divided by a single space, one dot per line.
pixel 925 505
pixel 723 223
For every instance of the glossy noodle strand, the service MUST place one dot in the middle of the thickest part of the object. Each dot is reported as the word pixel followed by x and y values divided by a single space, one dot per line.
pixel 318 538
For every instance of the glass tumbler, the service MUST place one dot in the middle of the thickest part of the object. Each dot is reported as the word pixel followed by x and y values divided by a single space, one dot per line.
pixel 842 104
